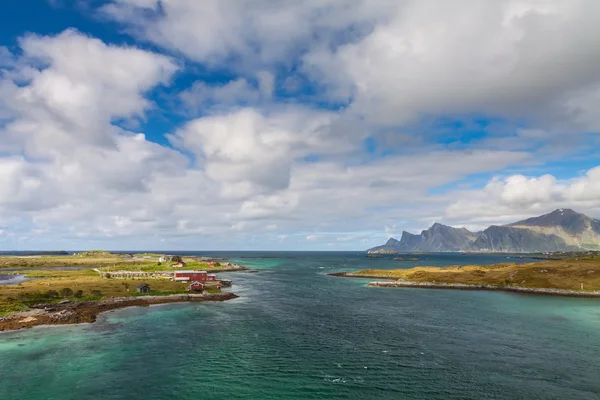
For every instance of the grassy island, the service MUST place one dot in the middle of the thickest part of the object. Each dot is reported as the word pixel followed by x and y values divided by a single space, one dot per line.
pixel 84 284
pixel 577 276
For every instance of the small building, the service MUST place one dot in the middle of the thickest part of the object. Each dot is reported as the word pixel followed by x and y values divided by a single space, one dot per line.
pixel 165 258
pixel 195 287
pixel 191 276
pixel 143 288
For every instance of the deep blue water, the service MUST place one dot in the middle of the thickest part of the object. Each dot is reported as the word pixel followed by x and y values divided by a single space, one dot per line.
pixel 296 333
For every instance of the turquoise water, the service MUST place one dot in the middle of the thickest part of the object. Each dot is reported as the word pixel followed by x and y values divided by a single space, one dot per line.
pixel 297 333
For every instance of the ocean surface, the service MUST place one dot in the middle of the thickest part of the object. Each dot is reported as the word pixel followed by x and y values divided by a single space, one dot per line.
pixel 296 333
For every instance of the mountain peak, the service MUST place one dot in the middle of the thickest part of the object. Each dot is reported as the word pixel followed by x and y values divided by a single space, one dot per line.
pixel 391 241
pixel 564 211
pixel 560 230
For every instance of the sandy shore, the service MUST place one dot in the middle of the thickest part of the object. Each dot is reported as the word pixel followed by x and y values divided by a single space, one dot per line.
pixel 87 311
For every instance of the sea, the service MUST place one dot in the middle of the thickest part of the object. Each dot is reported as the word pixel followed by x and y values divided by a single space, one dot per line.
pixel 297 333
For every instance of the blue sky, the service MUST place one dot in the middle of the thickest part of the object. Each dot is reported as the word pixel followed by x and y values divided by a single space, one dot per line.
pixel 255 124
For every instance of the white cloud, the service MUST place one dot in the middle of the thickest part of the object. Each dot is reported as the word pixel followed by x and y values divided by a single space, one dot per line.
pixel 258 165
pixel 509 58
pixel 82 87
pixel 398 61
pixel 517 196
pixel 253 151
pixel 257 32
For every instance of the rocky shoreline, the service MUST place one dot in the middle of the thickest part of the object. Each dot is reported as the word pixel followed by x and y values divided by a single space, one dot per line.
pixel 396 283
pixel 461 286
pixel 87 311
pixel 355 275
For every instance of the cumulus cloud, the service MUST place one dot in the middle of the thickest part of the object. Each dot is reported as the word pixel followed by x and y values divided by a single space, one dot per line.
pixel 510 58
pixel 252 151
pixel 256 32
pixel 517 196
pixel 81 86
pixel 400 60
pixel 350 153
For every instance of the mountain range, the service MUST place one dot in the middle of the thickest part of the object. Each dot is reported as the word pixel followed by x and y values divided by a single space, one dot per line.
pixel 560 230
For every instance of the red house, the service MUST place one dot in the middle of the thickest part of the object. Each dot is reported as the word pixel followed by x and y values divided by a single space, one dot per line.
pixel 195 287
pixel 191 276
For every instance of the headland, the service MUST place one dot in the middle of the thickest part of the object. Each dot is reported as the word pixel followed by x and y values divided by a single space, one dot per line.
pixel 66 289
pixel 577 275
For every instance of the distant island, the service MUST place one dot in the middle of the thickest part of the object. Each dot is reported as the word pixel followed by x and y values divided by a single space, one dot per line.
pixel 575 275
pixel 66 289
pixel 560 230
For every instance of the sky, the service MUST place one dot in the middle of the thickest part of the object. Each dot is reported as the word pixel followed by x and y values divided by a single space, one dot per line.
pixel 291 125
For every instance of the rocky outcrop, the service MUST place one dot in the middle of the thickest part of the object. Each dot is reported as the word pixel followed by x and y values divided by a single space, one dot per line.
pixel 462 286
pixel 87 311
pixel 382 251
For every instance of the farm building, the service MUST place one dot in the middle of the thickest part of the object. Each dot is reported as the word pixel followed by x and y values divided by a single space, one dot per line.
pixel 191 276
pixel 195 287
pixel 143 288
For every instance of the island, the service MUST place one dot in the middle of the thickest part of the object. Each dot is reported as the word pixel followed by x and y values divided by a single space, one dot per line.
pixel 66 289
pixel 576 275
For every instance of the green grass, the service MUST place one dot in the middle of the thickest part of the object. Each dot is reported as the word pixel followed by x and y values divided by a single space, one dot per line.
pixel 159 267
pixel 18 297
pixel 51 273
pixel 8 306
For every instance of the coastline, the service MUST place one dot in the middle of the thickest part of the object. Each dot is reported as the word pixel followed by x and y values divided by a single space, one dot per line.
pixel 87 311
pixel 570 277
pixel 462 286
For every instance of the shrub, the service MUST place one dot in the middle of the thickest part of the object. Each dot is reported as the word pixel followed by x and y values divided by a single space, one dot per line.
pixel 52 294
pixel 96 293
pixel 217 264
pixel 66 292
pixel 79 294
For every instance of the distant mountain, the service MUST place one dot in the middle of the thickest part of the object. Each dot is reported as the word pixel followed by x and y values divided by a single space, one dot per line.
pixel 437 238
pixel 560 230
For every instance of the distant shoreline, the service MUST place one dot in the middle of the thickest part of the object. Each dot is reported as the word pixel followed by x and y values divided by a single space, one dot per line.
pixel 511 289
pixel 87 312
pixel 391 283
pixel 569 277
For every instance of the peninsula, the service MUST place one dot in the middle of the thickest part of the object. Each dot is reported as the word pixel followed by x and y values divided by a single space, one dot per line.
pixel 66 289
pixel 577 275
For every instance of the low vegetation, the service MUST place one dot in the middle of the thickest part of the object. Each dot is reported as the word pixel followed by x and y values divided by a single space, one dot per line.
pixel 56 286
pixel 47 285
pixel 103 259
pixel 153 266
pixel 570 274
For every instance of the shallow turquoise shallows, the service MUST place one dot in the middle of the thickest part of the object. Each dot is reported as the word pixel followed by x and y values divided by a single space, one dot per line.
pixel 297 333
